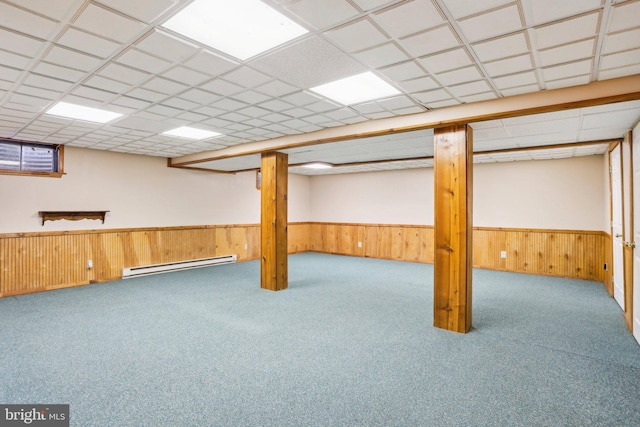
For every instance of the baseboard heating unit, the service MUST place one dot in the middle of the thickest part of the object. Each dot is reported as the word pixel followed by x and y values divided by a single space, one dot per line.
pixel 147 270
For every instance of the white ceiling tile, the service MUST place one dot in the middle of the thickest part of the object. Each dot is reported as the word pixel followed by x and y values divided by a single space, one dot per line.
pixel 479 97
pixel 405 71
pixel 166 46
pixel 29 100
pixel 431 41
pixel 567 31
pixel 165 86
pixel 234 117
pixel 470 88
pixel 419 85
pixel 276 88
pixel 432 96
pixel 567 70
pixel 301 98
pixel 57 10
pixel 95 94
pixel 520 90
pixel 515 80
pixel 502 47
pixel 39 92
pixel 618 72
pixel 254 112
pixel 18 43
pixel 47 82
pixel 408 17
pixel 9 74
pixel 308 63
pixel 396 103
pixel 142 61
pixel 199 96
pixel 567 53
pixel 622 59
pixel 462 8
pixel 69 58
pixel 58 72
pixel 140 124
pixel 13 60
pixel 461 75
pixel 250 97
pixel 382 55
pixel 227 104
pixel 621 41
pixel 146 95
pixel 544 11
pixel 210 64
pixel 246 77
pixel 322 14
pixel 107 24
pixel 618 119
pixel 276 105
pixel 144 10
pixel 297 112
pixel 495 23
pixel 88 43
pixel 185 75
pixel 446 61
pixel 573 81
pixel 625 16
pixel 356 36
pixel 509 65
pixel 222 87
pixel 323 106
pixel 370 4
pixel 26 22
pixel 180 103
pixel 123 74
pixel 206 110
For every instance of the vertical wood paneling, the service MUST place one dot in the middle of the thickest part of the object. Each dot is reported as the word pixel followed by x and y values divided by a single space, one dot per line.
pixel 39 261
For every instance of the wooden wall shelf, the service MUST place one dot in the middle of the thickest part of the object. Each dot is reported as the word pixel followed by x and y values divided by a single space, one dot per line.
pixel 72 215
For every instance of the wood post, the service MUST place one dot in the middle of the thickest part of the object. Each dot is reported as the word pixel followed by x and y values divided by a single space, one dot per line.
pixel 273 222
pixel 453 154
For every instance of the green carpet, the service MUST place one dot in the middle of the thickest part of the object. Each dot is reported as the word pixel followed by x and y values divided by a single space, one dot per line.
pixel 350 343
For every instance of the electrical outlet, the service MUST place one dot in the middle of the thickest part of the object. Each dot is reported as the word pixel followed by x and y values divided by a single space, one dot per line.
pixel 503 254
pixel 89 264
pixel 246 246
pixel 359 244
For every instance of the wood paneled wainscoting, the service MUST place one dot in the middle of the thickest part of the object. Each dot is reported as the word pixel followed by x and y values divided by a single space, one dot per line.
pixel 32 262
pixel 564 253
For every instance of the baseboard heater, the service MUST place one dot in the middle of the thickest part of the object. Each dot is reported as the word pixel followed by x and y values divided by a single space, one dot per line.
pixel 147 270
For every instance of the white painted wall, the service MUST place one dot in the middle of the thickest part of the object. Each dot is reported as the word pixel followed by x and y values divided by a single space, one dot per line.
pixel 139 191
pixel 553 194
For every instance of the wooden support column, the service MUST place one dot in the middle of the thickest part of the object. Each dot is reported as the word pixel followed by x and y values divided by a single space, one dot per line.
pixel 453 162
pixel 273 220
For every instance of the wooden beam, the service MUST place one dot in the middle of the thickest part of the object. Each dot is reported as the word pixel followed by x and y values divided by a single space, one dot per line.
pixel 273 220
pixel 453 150
pixel 592 94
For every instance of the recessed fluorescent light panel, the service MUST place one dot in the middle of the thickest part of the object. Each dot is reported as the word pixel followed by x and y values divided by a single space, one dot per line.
pixel 241 28
pixel 191 133
pixel 356 89
pixel 318 165
pixel 80 112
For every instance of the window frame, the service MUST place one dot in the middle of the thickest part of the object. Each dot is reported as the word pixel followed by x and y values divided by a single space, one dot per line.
pixel 59 152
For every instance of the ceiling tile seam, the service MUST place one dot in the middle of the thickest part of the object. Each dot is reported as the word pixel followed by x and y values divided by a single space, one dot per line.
pixel 33 12
pixel 603 21
pixel 462 38
pixel 483 12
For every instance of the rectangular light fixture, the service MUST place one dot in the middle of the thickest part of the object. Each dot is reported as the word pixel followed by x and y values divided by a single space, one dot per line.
pixel 241 28
pixel 356 89
pixel 318 165
pixel 80 112
pixel 191 133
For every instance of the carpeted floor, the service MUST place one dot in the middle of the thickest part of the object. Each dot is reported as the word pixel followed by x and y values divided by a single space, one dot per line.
pixel 350 343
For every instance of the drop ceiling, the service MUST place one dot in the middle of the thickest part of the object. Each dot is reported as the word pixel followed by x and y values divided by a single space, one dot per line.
pixel 116 55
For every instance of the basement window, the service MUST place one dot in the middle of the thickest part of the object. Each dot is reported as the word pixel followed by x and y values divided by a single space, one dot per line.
pixel 31 159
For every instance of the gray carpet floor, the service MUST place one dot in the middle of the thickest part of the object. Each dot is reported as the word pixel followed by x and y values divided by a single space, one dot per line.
pixel 350 343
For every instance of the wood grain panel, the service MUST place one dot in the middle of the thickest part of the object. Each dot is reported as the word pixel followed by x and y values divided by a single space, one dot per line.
pixel 33 262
